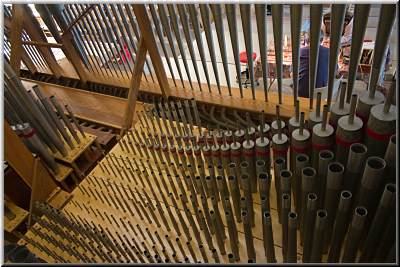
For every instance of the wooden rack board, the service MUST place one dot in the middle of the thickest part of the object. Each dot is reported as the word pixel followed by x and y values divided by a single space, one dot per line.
pixel 20 216
pixel 118 181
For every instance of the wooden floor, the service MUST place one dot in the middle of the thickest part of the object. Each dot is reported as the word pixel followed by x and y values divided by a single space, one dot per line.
pixel 141 184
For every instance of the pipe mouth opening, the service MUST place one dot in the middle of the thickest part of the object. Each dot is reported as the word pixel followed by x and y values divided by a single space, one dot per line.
pixel 260 163
pixel 391 188
pixel 186 259
pixel 263 197
pixel 263 175
pixel 279 161
pixel 231 177
pixel 243 198
pixel 227 213
pixel 200 246
pixel 219 177
pixel 285 196
pixel 286 173
pixel 336 167
pixel 232 165
pixel 244 176
pixel 173 255
pixel 376 163
pixel 292 215
pixel 358 148
pixel 219 167
pixel 301 158
pixel 208 177
pixel 210 166
pixel 393 139
pixel 250 261
pixel 308 171
pixel 361 211
pixel 244 164
pixel 346 194
pixel 322 213
pixel 211 212
pixel 244 213
pixel 230 255
pixel 312 196
pixel 213 250
pixel 267 214
pixel 326 154
pixel 177 239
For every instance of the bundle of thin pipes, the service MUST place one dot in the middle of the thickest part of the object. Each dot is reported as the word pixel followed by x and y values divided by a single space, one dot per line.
pixel 40 121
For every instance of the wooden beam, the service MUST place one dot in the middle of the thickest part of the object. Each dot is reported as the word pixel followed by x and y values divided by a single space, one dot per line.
pixel 35 35
pixel 134 86
pixel 73 57
pixel 16 39
pixel 21 159
pixel 150 42
pixel 54 45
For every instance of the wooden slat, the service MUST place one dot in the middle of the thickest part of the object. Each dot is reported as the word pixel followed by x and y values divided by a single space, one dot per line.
pixel 54 45
pixel 73 57
pixel 147 33
pixel 134 86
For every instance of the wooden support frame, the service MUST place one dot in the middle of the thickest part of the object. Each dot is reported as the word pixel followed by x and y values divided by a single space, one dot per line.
pixel 46 51
pixel 134 86
pixel 16 37
pixel 150 43
pixel 73 57
pixel 54 45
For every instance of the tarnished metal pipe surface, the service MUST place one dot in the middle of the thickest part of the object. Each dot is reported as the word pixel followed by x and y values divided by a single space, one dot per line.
pixel 292 238
pixel 268 237
pixel 354 235
pixel 318 236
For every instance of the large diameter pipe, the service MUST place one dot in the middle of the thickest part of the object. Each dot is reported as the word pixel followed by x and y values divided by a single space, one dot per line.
pixel 340 226
pixel 379 221
pixel 371 184
pixel 355 166
pixel 262 40
pixel 390 158
pixel 354 235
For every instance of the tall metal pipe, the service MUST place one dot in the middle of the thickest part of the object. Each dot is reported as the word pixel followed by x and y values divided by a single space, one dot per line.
pixel 292 238
pixel 379 222
pixel 216 9
pixel 277 23
pixel 251 253
pixel 312 203
pixel 296 12
pixel 262 40
pixel 233 33
pixel 354 167
pixel 340 226
pixel 205 16
pixel 315 31
pixel 360 20
pixel 318 236
pixel 246 25
pixel 337 19
pixel 354 235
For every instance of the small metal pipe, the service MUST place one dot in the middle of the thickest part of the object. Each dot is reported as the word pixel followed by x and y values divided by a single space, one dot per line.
pixel 268 238
pixel 286 203
pixel 292 238
pixel 312 203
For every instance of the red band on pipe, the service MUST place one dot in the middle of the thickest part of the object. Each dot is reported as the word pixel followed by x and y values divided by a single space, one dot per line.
pixel 322 147
pixel 197 154
pixel 346 143
pixel 279 151
pixel 378 136
pixel 226 155
pixel 262 153
pixel 235 155
pixel 300 150
pixel 248 154
pixel 206 154
pixel 30 134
